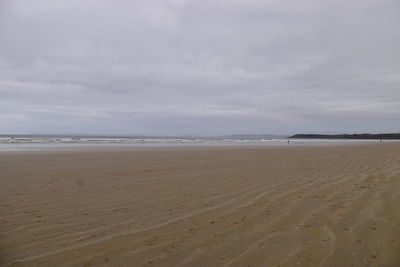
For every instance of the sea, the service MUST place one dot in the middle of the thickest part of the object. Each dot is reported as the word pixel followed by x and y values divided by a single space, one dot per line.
pixel 46 142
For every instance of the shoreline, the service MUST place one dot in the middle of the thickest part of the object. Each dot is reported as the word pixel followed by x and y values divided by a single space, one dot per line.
pixel 22 147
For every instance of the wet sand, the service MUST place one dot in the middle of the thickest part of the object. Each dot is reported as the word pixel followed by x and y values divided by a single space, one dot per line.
pixel 202 206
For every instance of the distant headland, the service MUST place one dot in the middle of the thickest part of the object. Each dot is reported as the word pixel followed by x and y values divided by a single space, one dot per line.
pixel 384 136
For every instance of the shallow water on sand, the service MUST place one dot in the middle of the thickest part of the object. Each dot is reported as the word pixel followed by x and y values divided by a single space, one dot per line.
pixel 26 143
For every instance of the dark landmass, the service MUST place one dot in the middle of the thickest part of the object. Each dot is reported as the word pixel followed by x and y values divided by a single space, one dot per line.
pixel 386 136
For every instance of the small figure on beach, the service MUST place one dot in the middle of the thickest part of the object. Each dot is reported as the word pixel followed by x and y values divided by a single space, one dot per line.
pixel 288 141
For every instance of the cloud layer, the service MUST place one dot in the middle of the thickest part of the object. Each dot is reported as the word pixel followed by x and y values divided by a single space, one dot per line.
pixel 180 67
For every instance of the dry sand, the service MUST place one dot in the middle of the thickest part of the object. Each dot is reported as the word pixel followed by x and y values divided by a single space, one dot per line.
pixel 221 206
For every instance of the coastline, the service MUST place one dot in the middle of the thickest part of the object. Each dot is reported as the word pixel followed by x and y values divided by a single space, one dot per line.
pixel 107 144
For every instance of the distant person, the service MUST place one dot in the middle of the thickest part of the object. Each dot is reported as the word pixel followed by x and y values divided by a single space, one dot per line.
pixel 288 141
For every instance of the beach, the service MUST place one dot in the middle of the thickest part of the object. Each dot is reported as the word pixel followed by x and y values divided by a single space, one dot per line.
pixel 326 205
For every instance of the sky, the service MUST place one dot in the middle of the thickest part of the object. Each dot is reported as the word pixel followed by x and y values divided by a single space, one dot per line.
pixel 190 67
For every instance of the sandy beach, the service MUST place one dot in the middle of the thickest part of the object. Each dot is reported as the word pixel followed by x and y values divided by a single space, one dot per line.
pixel 202 206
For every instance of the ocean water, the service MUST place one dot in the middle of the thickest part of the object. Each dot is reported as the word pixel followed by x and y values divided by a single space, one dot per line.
pixel 31 142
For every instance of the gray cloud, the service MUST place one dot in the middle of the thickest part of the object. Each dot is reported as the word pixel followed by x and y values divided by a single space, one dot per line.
pixel 177 67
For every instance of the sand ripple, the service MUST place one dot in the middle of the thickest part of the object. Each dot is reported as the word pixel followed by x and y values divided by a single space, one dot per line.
pixel 239 206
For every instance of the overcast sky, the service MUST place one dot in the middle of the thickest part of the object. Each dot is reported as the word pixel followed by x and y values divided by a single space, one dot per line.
pixel 200 67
